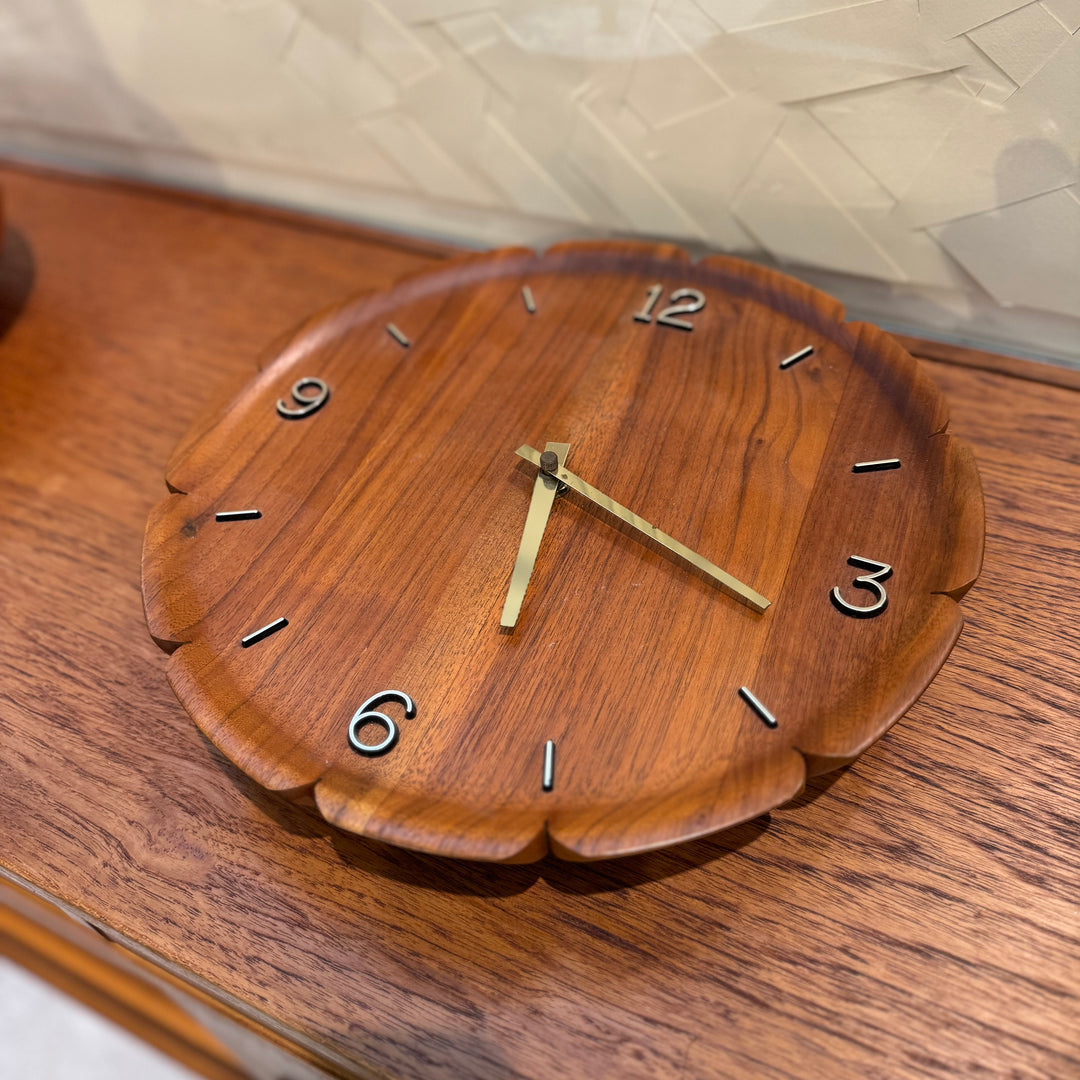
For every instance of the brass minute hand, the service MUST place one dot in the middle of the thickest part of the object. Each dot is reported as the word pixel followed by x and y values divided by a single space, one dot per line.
pixel 732 586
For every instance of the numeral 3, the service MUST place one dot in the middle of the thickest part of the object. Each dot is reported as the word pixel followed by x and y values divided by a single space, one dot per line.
pixel 871 581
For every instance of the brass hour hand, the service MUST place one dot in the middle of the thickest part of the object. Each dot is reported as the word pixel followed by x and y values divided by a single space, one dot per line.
pixel 731 585
pixel 545 488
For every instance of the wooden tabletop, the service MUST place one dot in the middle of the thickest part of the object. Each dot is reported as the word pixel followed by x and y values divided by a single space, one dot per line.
pixel 915 915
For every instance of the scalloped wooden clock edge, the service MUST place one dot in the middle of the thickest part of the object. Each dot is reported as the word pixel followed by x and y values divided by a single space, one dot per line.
pixel 165 617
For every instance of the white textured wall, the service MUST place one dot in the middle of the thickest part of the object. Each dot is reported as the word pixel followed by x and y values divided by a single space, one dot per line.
pixel 927 150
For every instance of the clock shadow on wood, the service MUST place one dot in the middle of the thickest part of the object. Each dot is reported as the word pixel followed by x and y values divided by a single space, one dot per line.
pixel 434 873
pixel 17 274
pixel 302 820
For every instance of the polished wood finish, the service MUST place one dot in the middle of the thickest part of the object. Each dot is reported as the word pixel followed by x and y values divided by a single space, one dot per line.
pixel 912 915
pixel 391 513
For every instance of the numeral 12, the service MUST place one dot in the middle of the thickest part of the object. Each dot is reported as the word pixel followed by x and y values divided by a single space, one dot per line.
pixel 695 301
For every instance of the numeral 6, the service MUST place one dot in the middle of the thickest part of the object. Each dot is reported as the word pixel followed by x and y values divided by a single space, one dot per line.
pixel 366 714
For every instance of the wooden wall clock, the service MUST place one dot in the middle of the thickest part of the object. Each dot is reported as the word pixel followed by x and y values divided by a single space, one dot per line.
pixel 589 552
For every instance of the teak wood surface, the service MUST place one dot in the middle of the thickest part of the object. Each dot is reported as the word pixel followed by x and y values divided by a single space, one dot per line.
pixel 913 915
pixel 391 514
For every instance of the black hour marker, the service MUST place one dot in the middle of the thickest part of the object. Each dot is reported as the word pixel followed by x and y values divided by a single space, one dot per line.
pixel 237 515
pixel 767 717
pixel 876 466
pixel 263 632
pixel 548 781
pixel 397 335
pixel 794 358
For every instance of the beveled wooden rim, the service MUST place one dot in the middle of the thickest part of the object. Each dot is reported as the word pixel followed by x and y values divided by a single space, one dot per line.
pixel 793 299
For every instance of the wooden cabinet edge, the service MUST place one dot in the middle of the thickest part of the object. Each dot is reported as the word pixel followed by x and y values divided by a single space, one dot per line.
pixel 81 963
pixel 162 1007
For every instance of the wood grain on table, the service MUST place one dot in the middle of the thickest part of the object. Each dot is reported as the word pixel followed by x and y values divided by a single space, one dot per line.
pixel 915 915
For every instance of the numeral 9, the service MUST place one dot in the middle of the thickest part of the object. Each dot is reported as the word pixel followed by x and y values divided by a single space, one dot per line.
pixel 306 401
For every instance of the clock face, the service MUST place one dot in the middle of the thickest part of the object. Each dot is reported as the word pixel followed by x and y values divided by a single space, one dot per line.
pixel 589 552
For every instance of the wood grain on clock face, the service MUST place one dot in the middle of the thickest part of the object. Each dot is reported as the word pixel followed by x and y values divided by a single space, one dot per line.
pixel 348 526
